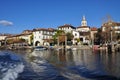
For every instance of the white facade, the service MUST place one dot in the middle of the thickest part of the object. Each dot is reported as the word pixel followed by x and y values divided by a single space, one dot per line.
pixel 2 37
pixel 67 28
pixel 83 29
pixel 76 36
pixel 41 35
pixel 38 37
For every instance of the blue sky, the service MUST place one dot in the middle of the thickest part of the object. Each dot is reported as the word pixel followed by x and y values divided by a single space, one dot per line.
pixel 19 15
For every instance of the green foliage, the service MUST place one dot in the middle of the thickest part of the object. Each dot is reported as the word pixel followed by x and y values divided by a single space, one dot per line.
pixel 78 39
pixel 9 41
pixel 31 39
pixel 69 36
pixel 118 36
pixel 22 40
pixel 98 37
pixel 58 33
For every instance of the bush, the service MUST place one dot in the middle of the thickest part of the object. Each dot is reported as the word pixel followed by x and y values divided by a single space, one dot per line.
pixel 85 43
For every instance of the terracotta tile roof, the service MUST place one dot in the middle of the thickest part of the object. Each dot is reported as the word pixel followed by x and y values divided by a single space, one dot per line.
pixel 109 24
pixel 24 34
pixel 93 29
pixel 11 36
pixel 5 34
pixel 67 25
pixel 83 27
pixel 44 29
pixel 27 31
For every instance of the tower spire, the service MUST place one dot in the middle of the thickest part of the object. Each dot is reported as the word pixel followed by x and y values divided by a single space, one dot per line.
pixel 83 18
pixel 83 22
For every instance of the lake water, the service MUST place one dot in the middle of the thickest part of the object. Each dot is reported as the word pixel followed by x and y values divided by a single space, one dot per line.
pixel 59 65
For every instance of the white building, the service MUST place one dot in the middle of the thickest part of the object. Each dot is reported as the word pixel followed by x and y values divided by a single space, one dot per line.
pixel 2 38
pixel 76 36
pixel 66 28
pixel 83 27
pixel 84 31
pixel 42 36
pixel 111 26
pixel 26 36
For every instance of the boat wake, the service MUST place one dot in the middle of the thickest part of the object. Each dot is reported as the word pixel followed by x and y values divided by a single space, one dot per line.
pixel 10 66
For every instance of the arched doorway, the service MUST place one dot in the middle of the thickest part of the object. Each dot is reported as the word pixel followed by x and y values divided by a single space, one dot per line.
pixel 37 43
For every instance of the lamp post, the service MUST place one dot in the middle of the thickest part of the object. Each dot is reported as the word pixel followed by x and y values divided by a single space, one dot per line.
pixel 111 34
pixel 112 44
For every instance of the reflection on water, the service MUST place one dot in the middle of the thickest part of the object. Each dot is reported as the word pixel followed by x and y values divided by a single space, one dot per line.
pixel 88 64
pixel 70 65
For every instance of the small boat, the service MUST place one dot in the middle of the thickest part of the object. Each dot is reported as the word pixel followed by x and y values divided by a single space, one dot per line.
pixel 74 49
pixel 40 48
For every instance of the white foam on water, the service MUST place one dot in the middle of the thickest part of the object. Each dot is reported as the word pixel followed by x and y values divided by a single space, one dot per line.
pixel 38 68
pixel 10 66
pixel 72 76
pixel 40 61
pixel 12 73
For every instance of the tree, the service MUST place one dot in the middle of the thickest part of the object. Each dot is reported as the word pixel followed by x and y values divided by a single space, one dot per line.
pixel 98 37
pixel 31 39
pixel 58 35
pixel 69 36
pixel 118 36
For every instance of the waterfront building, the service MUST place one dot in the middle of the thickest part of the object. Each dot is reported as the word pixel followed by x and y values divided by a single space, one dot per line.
pixel 19 40
pixel 42 36
pixel 2 38
pixel 14 41
pixel 115 26
pixel 111 31
pixel 76 37
pixel 84 31
pixel 26 37
pixel 66 28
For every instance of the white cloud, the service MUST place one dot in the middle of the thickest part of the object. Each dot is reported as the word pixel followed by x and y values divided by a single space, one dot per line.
pixel 6 23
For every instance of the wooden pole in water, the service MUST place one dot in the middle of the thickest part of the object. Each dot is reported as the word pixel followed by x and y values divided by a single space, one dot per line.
pixel 65 42
pixel 58 41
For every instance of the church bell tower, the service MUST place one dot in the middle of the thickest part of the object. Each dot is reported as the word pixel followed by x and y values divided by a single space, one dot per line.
pixel 83 22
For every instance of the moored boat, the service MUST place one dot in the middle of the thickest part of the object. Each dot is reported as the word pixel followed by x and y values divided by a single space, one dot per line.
pixel 40 48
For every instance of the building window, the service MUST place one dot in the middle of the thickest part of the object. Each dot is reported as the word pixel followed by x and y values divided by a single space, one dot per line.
pixel 75 34
pixel 43 37
pixel 41 32
pixel 50 32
